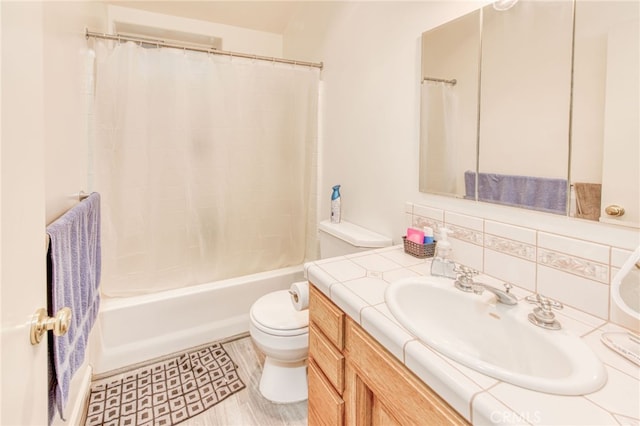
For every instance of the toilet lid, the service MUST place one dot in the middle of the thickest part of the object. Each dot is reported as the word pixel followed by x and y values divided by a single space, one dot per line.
pixel 274 313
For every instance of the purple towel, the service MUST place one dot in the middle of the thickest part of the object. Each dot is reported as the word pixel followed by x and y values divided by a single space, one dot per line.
pixel 544 194
pixel 75 276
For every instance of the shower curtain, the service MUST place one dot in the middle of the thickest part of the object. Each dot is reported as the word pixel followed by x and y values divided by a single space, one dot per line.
pixel 204 163
pixel 439 109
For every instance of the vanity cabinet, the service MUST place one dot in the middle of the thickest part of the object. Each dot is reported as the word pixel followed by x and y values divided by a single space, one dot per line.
pixel 353 380
pixel 326 361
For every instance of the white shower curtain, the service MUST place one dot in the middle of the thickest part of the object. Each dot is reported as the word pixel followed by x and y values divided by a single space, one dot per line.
pixel 439 110
pixel 204 163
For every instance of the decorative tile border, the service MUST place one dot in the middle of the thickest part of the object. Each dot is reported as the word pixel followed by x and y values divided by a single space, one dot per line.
pixel 466 234
pixel 514 248
pixel 578 257
pixel 420 222
pixel 560 261
pixel 574 265
pixel 459 232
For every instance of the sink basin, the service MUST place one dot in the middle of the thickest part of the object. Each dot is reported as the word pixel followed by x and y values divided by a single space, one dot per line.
pixel 493 338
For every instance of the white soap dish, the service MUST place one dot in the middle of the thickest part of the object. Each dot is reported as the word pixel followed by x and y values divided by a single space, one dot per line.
pixel 625 344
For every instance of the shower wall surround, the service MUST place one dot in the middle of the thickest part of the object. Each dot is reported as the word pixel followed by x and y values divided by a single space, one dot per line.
pixel 575 271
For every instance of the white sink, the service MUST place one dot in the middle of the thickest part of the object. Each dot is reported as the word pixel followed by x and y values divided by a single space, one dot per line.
pixel 493 338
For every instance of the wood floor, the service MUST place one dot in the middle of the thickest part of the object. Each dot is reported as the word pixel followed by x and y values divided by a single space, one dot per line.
pixel 248 407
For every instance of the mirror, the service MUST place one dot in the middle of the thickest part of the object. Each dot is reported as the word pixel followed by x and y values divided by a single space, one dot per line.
pixel 605 140
pixel 523 153
pixel 449 110
pixel 513 122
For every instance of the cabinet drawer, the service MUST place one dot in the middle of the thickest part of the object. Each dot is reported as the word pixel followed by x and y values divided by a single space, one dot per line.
pixel 325 405
pixel 327 317
pixel 327 357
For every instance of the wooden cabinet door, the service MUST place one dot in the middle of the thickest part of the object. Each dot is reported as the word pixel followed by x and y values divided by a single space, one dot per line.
pixel 363 407
pixel 381 390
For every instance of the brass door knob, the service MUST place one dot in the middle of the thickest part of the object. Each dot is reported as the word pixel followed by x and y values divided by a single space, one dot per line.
pixel 614 210
pixel 41 323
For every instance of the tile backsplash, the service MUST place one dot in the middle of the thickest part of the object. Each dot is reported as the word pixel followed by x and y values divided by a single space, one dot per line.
pixel 577 272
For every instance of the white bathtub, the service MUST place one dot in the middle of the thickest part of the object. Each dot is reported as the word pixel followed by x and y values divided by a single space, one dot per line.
pixel 135 329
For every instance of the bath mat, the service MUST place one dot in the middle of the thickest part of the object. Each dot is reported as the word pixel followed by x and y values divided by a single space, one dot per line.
pixel 167 392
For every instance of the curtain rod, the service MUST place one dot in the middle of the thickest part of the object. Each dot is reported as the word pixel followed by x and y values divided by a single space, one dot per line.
pixel 441 80
pixel 162 43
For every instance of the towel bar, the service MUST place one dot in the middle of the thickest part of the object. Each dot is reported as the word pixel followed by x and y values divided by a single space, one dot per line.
pixel 81 197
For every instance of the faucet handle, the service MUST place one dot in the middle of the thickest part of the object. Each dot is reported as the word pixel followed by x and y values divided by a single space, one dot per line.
pixel 545 303
pixel 507 287
pixel 467 272
pixel 543 315
pixel 464 280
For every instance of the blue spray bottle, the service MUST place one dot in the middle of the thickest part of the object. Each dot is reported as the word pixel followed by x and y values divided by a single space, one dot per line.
pixel 335 204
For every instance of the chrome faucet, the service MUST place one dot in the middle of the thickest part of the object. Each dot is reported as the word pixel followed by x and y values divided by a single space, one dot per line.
pixel 502 296
pixel 543 315
pixel 465 282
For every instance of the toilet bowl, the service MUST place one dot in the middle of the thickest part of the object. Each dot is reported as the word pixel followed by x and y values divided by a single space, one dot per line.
pixel 281 332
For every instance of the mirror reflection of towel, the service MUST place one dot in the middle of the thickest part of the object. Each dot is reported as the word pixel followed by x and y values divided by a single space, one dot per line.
pixel 588 200
pixel 537 193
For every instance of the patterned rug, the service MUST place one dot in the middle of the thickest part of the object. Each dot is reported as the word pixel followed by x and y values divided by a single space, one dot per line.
pixel 167 392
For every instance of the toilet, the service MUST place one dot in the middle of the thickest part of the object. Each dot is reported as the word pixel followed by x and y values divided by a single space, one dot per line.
pixel 281 332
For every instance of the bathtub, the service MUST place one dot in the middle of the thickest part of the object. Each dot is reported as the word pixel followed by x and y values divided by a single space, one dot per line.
pixel 135 329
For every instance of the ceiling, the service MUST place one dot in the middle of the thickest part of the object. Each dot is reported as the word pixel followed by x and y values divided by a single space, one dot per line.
pixel 261 15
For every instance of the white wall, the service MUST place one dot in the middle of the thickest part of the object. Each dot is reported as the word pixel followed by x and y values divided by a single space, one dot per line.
pixel 66 98
pixel 371 77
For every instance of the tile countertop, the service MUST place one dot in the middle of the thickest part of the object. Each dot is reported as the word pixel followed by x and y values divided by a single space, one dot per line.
pixel 356 283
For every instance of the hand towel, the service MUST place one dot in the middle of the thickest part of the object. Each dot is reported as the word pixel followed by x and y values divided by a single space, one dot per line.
pixel 537 193
pixel 75 262
pixel 588 196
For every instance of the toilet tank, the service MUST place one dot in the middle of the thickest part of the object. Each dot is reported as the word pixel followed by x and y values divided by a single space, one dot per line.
pixel 338 239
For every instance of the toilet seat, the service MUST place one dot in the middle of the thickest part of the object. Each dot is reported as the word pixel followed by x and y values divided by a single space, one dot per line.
pixel 274 314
